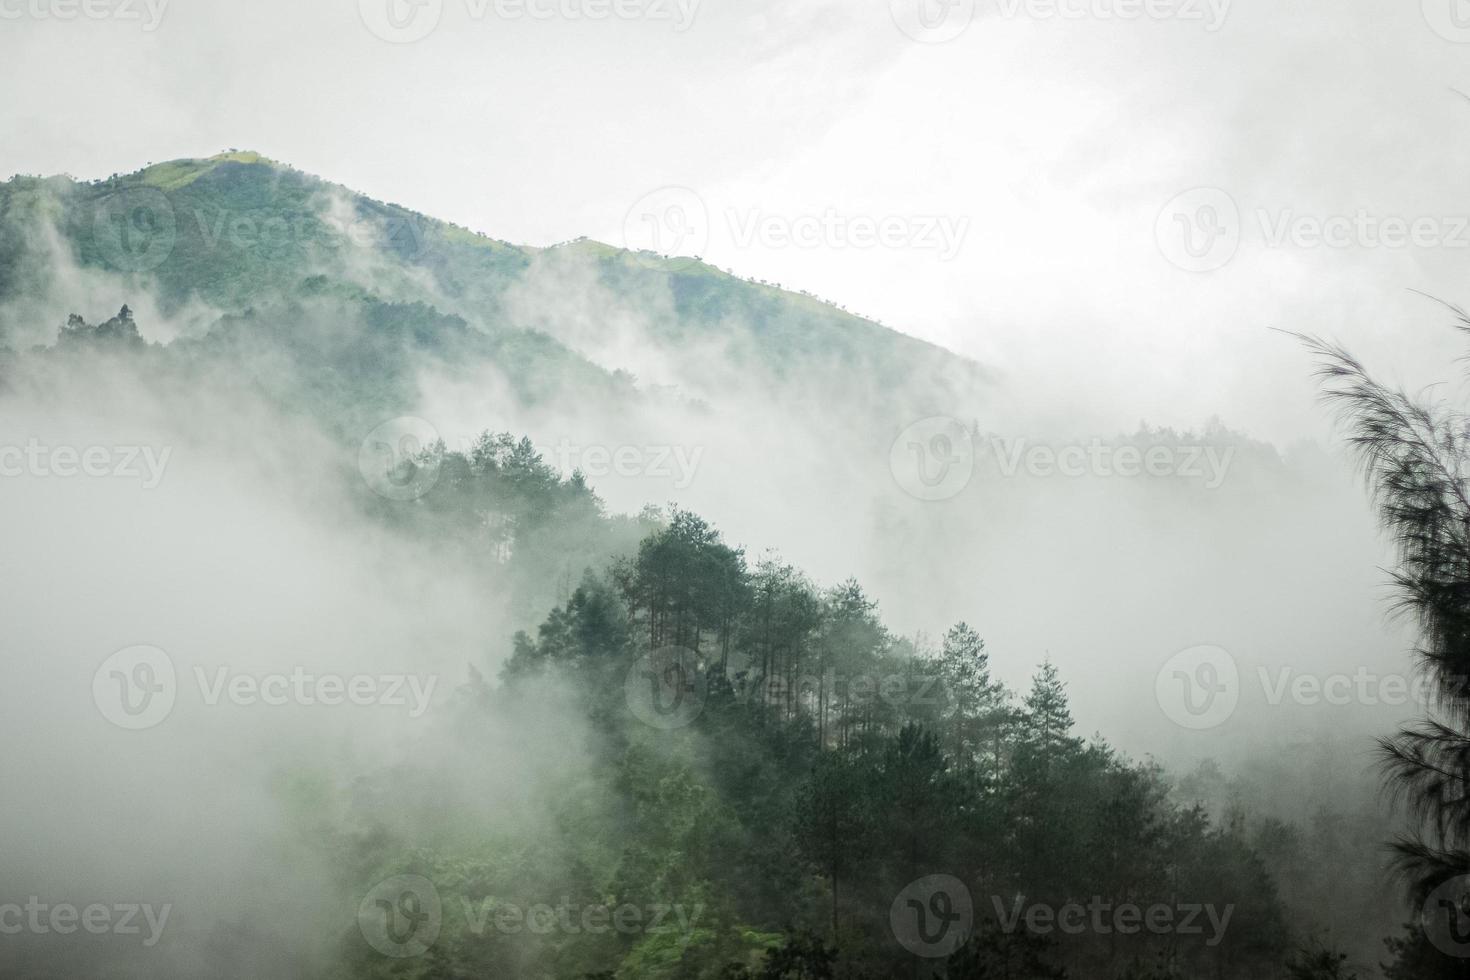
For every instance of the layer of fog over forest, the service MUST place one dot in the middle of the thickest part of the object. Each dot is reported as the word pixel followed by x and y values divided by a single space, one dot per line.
pixel 1271 552
pixel 246 546
pixel 338 650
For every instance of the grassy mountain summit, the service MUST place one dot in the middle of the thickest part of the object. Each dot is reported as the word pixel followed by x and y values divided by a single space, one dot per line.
pixel 238 233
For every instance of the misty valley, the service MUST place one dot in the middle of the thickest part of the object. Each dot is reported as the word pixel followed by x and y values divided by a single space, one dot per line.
pixel 388 600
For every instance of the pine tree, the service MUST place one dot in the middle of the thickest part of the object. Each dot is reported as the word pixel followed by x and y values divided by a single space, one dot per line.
pixel 1048 718
pixel 1415 457
pixel 976 708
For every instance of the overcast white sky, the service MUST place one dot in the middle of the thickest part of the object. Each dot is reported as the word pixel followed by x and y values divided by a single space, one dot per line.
pixel 1056 143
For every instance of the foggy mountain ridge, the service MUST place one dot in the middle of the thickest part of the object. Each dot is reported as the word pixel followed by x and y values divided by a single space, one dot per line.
pixel 229 256
pixel 349 312
pixel 666 490
pixel 268 367
pixel 236 232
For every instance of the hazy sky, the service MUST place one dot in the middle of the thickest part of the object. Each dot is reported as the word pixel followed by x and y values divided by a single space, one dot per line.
pixel 1023 169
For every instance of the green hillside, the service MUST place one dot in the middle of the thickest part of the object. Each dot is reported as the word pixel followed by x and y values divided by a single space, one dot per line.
pixel 242 234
